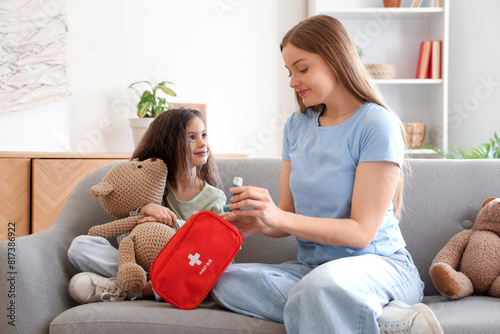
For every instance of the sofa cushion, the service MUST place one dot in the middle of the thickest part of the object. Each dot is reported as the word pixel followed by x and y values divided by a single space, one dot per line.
pixel 474 314
pixel 149 316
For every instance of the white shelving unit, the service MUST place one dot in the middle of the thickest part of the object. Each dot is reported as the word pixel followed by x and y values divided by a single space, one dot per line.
pixel 393 36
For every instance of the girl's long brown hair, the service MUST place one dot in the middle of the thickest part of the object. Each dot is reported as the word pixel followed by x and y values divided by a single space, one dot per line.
pixel 327 37
pixel 166 139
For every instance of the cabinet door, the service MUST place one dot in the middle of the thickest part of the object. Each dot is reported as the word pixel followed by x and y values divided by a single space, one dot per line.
pixel 14 197
pixel 53 182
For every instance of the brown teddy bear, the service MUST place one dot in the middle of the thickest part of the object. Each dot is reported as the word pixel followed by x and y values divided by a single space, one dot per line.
pixel 478 254
pixel 125 188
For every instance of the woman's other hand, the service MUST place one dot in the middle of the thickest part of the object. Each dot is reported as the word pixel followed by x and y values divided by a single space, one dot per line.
pixel 246 225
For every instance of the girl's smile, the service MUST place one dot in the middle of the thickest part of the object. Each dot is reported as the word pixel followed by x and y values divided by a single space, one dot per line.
pixel 198 146
pixel 201 153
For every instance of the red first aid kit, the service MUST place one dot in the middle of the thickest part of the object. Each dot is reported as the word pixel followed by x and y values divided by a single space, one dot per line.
pixel 192 261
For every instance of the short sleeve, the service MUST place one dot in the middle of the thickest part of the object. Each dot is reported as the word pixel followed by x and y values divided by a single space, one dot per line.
pixel 382 140
pixel 285 154
pixel 217 206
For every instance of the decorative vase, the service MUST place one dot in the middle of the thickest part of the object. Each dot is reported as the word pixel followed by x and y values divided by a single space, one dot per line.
pixel 139 127
pixel 392 3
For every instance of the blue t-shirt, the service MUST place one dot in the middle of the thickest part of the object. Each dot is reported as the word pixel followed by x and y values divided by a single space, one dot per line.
pixel 324 161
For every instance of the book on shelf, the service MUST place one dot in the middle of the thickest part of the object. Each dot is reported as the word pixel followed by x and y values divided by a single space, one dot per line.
pixel 429 60
pixel 423 60
pixel 435 60
pixel 428 3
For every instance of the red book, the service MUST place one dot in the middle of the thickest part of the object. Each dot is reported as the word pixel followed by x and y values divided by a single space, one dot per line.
pixel 435 60
pixel 423 60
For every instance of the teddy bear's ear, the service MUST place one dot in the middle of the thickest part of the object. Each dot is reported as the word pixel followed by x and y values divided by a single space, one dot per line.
pixel 488 200
pixel 101 189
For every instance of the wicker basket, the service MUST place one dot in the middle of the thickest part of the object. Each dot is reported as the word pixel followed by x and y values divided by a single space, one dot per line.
pixel 416 133
pixel 381 71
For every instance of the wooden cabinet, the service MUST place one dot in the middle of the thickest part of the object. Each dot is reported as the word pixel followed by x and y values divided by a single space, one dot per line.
pixel 15 196
pixel 52 183
pixel 35 187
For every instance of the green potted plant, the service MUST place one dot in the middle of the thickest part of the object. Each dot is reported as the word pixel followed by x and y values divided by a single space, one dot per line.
pixel 150 105
pixel 489 150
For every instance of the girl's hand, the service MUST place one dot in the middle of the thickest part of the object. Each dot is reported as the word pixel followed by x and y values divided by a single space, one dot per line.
pixel 158 213
pixel 264 217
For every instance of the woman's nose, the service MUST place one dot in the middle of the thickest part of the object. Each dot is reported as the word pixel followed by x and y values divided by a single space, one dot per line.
pixel 293 82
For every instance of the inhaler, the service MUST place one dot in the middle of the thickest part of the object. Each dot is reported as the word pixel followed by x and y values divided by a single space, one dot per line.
pixel 237 182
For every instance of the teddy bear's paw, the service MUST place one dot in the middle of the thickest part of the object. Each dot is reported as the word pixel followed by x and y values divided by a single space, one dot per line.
pixel 449 282
pixel 131 277
pixel 494 289
pixel 94 231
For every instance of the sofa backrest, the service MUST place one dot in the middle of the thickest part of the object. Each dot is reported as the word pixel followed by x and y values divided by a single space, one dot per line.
pixel 441 198
pixel 259 172
pixel 84 211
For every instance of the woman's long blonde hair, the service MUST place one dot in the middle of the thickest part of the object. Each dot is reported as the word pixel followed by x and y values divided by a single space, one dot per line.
pixel 327 37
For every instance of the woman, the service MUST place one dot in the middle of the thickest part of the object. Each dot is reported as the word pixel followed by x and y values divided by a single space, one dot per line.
pixel 340 192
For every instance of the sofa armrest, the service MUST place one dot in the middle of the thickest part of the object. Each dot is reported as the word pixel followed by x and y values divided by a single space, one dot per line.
pixel 34 288
pixel 34 285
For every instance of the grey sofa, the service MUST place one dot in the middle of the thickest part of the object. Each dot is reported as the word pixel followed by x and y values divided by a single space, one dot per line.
pixel 442 197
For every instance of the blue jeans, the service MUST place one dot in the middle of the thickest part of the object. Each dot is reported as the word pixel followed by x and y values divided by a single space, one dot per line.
pixel 94 254
pixel 341 296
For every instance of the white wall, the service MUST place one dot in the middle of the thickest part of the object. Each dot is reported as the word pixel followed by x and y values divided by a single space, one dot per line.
pixel 474 98
pixel 223 53
pixel 42 129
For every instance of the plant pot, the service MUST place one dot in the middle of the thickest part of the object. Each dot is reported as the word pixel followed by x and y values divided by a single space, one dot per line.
pixel 139 127
pixel 392 3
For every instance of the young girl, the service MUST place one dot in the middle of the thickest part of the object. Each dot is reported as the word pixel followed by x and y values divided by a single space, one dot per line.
pixel 179 138
pixel 340 194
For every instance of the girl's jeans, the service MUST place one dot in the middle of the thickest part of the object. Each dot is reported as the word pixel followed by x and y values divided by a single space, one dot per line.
pixel 94 254
pixel 341 296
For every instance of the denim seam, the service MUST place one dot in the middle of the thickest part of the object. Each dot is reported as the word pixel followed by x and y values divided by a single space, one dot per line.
pixel 273 287
pixel 386 288
pixel 362 320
